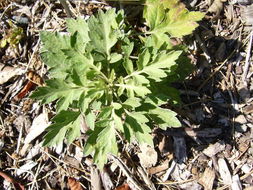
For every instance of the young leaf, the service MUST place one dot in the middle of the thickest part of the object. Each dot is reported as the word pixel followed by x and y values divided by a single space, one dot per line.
pixel 104 31
pixel 101 142
pixel 53 43
pixel 164 116
pixel 81 27
pixel 154 13
pixel 134 88
pixel 58 89
pixel 132 102
pixel 66 123
pixel 135 128
pixel 179 22
pixel 170 17
pixel 158 68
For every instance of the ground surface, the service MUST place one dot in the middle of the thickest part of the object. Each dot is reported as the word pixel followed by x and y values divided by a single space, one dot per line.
pixel 213 150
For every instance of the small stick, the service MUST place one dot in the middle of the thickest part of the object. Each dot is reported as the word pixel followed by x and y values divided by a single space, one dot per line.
pixel 247 61
pixel 66 7
pixel 125 171
pixel 177 182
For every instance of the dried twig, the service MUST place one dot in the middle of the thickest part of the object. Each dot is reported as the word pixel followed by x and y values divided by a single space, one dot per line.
pixel 126 171
pixel 146 178
pixel 66 7
pixel 247 61
pixel 177 182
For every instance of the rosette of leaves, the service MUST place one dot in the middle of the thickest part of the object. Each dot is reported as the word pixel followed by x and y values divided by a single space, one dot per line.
pixel 112 81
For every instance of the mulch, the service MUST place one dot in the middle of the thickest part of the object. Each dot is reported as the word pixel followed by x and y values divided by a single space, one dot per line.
pixel 214 148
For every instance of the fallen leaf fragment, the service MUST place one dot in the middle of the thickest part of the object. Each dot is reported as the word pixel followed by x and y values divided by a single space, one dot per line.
pixel 216 7
pixel 7 72
pixel 17 185
pixel 248 109
pixel 73 184
pixel 123 187
pixel 28 87
pixel 35 78
pixel 39 124
pixel 148 156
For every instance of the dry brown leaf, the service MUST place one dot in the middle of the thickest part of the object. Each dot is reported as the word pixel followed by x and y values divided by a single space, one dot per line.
pixel 7 72
pixel 27 88
pixel 73 184
pixel 17 185
pixel 35 78
pixel 123 187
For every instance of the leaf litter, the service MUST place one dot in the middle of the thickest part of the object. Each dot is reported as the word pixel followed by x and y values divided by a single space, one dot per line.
pixel 214 143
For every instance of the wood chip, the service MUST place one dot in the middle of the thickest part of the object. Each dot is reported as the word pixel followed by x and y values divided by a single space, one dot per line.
pixel 248 109
pixel 106 180
pixel 213 149
pixel 240 119
pixel 95 179
pixel 207 179
pixel 236 183
pixel 224 172
pixel 160 168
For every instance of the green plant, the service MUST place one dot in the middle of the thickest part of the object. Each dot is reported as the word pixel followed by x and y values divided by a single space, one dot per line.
pixel 104 73
pixel 13 36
